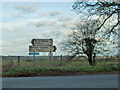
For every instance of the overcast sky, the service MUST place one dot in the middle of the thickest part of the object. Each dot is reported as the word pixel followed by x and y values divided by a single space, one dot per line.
pixel 22 21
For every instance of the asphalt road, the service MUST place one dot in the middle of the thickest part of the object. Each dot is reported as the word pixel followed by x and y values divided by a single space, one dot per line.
pixel 83 81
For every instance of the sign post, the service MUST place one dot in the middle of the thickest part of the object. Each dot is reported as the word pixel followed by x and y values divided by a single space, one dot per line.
pixel 50 57
pixel 42 45
pixel 18 62
pixel 33 59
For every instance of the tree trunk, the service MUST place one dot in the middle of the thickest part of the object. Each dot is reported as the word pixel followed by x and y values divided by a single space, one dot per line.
pixel 90 60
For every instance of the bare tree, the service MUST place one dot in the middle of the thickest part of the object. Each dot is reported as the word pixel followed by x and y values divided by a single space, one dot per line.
pixel 102 9
pixel 85 39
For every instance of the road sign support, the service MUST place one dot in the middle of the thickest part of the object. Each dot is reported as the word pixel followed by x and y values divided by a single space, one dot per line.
pixel 33 59
pixel 50 57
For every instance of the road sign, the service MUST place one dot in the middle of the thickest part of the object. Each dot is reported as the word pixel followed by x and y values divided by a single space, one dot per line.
pixel 34 53
pixel 42 48
pixel 42 42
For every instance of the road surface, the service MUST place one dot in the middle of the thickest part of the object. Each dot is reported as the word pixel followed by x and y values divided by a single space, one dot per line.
pixel 82 81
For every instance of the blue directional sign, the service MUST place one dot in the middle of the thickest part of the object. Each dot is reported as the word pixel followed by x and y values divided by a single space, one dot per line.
pixel 33 53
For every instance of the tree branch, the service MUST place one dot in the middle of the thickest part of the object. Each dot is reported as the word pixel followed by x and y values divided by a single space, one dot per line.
pixel 107 19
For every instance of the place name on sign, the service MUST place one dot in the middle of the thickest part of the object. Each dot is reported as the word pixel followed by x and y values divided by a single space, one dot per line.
pixel 41 48
pixel 37 42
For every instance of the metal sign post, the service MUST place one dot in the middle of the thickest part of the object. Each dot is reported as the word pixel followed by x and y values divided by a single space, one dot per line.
pixel 33 59
pixel 50 55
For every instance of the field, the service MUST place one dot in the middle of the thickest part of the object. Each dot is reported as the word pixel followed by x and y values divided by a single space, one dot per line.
pixel 48 67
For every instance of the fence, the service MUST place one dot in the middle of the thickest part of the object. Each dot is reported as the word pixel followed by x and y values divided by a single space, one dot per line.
pixel 82 58
pixel 31 57
pixel 9 62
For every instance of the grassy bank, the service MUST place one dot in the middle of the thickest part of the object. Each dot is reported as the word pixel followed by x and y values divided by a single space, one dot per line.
pixel 46 68
pixel 41 71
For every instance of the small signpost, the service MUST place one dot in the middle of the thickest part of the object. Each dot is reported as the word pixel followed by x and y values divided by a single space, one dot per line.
pixel 41 45
pixel 33 53
pixel 50 54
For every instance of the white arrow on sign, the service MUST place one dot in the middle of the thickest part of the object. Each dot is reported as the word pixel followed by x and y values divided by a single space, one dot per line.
pixel 41 48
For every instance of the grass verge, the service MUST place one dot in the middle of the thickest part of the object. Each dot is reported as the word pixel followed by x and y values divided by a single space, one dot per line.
pixel 58 71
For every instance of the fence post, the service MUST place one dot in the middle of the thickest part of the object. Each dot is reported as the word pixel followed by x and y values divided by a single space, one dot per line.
pixel 61 60
pixel 18 62
pixel 11 62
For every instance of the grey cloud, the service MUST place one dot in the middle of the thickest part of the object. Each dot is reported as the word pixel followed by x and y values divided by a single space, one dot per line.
pixel 43 14
pixel 65 19
pixel 68 25
pixel 27 8
pixel 50 34
pixel 55 34
pixel 54 13
pixel 52 24
pixel 64 25
pixel 43 23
